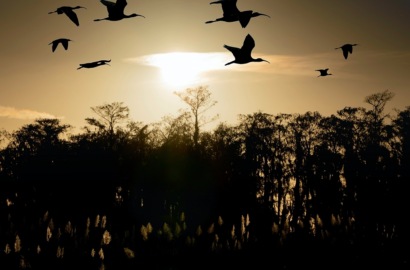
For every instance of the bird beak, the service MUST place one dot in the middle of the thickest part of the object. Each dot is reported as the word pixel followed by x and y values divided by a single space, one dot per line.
pixel 265 15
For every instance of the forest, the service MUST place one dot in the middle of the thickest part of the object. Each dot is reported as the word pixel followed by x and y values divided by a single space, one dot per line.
pixel 284 191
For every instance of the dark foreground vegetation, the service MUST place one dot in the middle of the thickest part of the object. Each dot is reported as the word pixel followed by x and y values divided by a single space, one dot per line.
pixel 275 191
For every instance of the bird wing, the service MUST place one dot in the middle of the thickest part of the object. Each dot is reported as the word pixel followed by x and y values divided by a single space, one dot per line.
pixel 345 52
pixel 108 3
pixel 65 43
pixel 72 15
pixel 248 44
pixel 121 4
pixel 228 7
pixel 245 17
pixel 111 7
pixel 235 51
pixel 55 44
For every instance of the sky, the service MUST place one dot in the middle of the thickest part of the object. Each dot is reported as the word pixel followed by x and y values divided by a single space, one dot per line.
pixel 171 49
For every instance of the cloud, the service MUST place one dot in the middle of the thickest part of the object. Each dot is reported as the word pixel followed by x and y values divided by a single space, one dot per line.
pixel 215 61
pixel 305 65
pixel 195 60
pixel 23 114
pixel 295 65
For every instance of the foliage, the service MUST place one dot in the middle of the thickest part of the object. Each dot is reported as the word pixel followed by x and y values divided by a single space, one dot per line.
pixel 285 184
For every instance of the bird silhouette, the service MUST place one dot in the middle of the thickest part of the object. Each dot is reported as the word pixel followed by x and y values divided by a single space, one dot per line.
pixel 116 11
pixel 232 14
pixel 323 72
pixel 94 64
pixel 62 41
pixel 243 55
pixel 347 48
pixel 69 11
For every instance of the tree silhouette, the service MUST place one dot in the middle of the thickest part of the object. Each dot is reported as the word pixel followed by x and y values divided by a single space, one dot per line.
pixel 401 200
pixel 110 116
pixel 34 157
pixel 199 100
pixel 294 188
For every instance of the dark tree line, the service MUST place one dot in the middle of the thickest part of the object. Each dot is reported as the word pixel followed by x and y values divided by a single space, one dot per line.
pixel 298 174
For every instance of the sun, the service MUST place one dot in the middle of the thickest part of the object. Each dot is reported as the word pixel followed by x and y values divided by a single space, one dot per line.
pixel 182 69
pixel 179 69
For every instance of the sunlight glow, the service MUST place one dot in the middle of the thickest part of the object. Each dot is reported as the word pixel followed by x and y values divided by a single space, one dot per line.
pixel 180 69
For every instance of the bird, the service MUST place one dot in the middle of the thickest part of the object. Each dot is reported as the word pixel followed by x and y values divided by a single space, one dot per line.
pixel 243 55
pixel 62 41
pixel 116 11
pixel 232 14
pixel 69 11
pixel 347 48
pixel 323 72
pixel 94 64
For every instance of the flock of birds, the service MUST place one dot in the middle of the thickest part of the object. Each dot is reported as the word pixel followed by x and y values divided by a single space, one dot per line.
pixel 231 13
pixel 115 13
pixel 346 49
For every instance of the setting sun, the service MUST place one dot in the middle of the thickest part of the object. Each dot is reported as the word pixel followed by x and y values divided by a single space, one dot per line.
pixel 180 69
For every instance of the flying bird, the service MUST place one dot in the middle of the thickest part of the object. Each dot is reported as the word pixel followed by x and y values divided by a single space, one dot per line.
pixel 62 41
pixel 232 14
pixel 346 48
pixel 69 11
pixel 94 64
pixel 323 72
pixel 243 55
pixel 116 11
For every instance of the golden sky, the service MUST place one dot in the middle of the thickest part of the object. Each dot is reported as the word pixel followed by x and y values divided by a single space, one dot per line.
pixel 172 49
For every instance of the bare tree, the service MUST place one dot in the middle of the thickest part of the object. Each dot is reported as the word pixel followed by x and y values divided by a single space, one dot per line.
pixel 378 102
pixel 199 100
pixel 110 116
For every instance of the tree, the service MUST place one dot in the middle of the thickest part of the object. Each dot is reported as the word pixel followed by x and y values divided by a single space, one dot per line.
pixel 401 199
pixel 35 157
pixel 199 100
pixel 4 138
pixel 110 115
pixel 173 130
pixel 376 115
pixel 306 132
